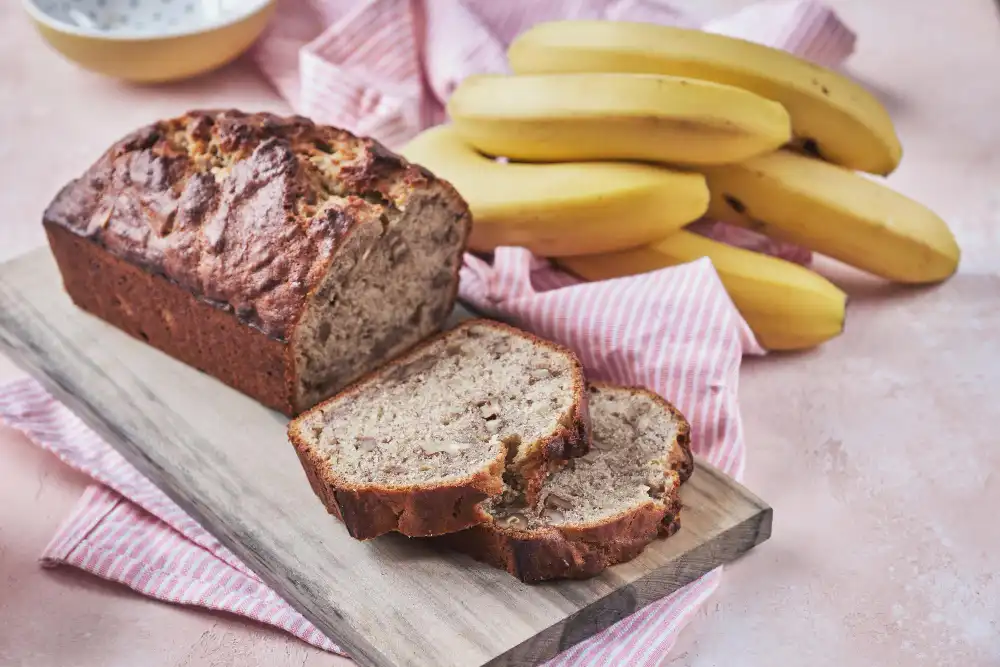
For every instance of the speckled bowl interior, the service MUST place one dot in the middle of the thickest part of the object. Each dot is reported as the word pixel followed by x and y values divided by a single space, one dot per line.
pixel 142 18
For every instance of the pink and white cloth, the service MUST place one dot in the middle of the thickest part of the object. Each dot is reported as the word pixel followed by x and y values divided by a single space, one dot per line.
pixel 383 68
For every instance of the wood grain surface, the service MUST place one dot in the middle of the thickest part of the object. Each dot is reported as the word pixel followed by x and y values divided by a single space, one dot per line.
pixel 389 602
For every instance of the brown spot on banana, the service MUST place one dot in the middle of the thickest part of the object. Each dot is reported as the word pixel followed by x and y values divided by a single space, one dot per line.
pixel 746 219
pixel 735 204
pixel 805 146
pixel 810 147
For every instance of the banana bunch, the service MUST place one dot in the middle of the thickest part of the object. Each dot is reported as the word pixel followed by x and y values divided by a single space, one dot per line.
pixel 832 117
pixel 610 137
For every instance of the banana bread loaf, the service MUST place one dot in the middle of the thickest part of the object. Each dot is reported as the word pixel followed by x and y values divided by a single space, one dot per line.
pixel 285 258
pixel 600 509
pixel 417 447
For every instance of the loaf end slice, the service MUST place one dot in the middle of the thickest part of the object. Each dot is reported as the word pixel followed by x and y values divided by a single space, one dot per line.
pixel 477 412
pixel 601 509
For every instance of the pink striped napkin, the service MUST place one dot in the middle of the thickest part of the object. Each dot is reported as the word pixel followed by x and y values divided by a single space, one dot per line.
pixel 361 65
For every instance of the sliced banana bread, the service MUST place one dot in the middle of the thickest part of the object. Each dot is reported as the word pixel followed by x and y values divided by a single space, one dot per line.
pixel 417 446
pixel 601 509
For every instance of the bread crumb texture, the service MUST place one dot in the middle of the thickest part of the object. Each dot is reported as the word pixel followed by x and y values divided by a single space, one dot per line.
pixel 448 411
pixel 627 465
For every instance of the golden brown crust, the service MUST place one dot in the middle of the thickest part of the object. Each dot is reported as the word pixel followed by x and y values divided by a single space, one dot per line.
pixel 549 553
pixel 225 224
pixel 584 550
pixel 244 210
pixel 372 510
pixel 233 207
pixel 157 311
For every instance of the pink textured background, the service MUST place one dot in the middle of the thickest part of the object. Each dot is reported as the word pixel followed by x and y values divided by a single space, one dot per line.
pixel 875 451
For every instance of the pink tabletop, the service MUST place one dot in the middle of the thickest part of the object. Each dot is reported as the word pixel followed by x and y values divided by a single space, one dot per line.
pixel 874 450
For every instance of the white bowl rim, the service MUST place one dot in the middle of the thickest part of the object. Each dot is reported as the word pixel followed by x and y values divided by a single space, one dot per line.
pixel 252 7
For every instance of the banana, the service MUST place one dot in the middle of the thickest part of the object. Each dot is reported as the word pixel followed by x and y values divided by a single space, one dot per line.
pixel 836 212
pixel 787 306
pixel 601 116
pixel 832 116
pixel 561 209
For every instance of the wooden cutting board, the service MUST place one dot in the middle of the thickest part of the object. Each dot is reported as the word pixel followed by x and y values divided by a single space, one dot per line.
pixel 390 602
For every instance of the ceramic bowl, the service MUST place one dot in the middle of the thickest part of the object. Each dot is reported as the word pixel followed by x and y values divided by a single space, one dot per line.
pixel 150 40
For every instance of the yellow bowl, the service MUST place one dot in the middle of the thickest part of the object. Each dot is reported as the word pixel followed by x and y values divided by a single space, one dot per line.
pixel 150 41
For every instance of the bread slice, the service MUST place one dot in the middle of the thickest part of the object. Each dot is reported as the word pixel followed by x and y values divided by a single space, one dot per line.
pixel 417 446
pixel 601 509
